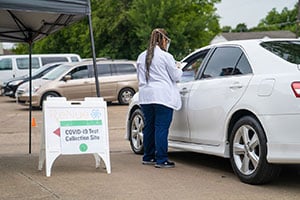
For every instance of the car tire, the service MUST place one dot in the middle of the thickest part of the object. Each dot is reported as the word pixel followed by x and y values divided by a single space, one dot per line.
pixel 136 125
pixel 125 95
pixel 48 94
pixel 248 152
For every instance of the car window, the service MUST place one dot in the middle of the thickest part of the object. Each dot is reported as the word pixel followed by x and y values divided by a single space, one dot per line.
pixel 5 64
pixel 288 50
pixel 243 66
pixel 23 63
pixel 124 68
pixel 46 60
pixel 74 59
pixel 79 72
pixel 222 62
pixel 193 65
pixel 103 69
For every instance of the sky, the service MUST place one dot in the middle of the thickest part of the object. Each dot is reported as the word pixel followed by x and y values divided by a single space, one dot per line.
pixel 250 12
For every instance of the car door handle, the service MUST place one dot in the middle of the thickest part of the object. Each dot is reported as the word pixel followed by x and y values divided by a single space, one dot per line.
pixel 236 85
pixel 183 91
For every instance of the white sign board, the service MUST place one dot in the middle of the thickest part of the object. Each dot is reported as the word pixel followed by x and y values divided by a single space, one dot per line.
pixel 70 128
pixel 81 136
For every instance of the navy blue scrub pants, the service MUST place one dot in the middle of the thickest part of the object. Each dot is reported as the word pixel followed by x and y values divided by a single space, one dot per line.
pixel 158 119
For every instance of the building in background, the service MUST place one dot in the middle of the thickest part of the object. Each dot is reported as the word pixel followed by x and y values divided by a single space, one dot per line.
pixel 223 37
pixel 6 48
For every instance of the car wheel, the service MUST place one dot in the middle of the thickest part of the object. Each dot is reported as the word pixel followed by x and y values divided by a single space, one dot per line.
pixel 125 95
pixel 46 95
pixel 248 151
pixel 136 125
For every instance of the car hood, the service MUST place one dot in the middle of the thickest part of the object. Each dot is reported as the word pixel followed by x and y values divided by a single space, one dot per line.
pixel 14 79
pixel 37 83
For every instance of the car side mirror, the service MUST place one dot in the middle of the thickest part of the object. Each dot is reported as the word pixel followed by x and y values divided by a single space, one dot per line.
pixel 67 77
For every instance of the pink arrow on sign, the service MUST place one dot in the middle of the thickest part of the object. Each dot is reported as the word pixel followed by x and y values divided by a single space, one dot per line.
pixel 57 132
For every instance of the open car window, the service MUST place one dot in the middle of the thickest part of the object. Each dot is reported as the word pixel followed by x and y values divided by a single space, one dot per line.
pixel 192 65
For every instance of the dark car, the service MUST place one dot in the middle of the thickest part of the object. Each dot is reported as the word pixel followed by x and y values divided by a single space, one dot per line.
pixel 10 86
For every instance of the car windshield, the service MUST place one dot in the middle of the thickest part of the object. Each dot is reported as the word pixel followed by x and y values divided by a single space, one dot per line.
pixel 57 72
pixel 38 71
pixel 288 50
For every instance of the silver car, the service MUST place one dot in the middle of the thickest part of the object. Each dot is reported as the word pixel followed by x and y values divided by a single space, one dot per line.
pixel 117 80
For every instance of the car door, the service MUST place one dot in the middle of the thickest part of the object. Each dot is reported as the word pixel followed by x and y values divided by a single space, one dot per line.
pixel 106 80
pixel 79 86
pixel 179 129
pixel 221 84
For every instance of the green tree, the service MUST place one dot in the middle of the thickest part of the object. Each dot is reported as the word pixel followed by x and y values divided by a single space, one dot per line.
pixel 21 48
pixel 72 39
pixel 242 27
pixel 190 24
pixel 226 29
pixel 112 29
pixel 284 20
pixel 122 28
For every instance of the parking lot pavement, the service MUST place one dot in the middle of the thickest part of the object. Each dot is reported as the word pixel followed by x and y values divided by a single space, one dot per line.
pixel 196 176
pixel 72 177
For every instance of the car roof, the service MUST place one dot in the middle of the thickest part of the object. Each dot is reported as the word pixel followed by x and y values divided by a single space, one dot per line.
pixel 106 61
pixel 256 54
pixel 245 43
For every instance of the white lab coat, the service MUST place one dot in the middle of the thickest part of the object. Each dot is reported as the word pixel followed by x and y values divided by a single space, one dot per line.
pixel 161 88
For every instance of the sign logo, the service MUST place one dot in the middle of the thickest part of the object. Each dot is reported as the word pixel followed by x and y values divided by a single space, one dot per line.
pixel 83 147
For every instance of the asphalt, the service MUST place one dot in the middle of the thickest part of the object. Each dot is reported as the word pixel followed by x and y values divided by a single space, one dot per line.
pixel 72 176
pixel 75 177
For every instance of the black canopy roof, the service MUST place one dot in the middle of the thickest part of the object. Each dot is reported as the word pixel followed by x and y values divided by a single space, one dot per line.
pixel 31 20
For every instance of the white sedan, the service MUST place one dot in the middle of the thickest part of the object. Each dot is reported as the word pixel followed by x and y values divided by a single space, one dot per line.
pixel 243 103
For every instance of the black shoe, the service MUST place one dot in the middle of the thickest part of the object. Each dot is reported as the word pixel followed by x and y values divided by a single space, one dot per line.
pixel 149 162
pixel 166 164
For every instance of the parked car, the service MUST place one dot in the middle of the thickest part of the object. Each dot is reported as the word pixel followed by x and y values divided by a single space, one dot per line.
pixel 242 104
pixel 10 86
pixel 12 66
pixel 117 80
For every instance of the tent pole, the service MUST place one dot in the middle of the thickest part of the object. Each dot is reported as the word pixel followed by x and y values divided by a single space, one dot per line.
pixel 93 52
pixel 30 93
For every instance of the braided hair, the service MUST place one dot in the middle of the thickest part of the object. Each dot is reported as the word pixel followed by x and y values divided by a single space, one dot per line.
pixel 156 38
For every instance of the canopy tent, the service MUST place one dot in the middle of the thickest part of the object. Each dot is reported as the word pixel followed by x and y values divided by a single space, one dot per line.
pixel 31 20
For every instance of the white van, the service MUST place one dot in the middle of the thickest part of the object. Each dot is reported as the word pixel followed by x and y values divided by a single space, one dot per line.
pixel 17 65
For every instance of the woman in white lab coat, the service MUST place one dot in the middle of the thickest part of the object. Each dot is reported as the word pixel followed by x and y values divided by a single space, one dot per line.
pixel 158 97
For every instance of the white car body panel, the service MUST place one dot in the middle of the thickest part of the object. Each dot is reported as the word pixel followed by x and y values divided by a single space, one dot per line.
pixel 208 106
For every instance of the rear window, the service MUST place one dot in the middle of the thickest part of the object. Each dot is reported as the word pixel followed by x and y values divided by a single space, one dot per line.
pixel 23 63
pixel 103 69
pixel 121 69
pixel 46 60
pixel 288 50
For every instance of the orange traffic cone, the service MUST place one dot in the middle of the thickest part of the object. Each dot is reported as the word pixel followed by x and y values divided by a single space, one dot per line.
pixel 33 122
